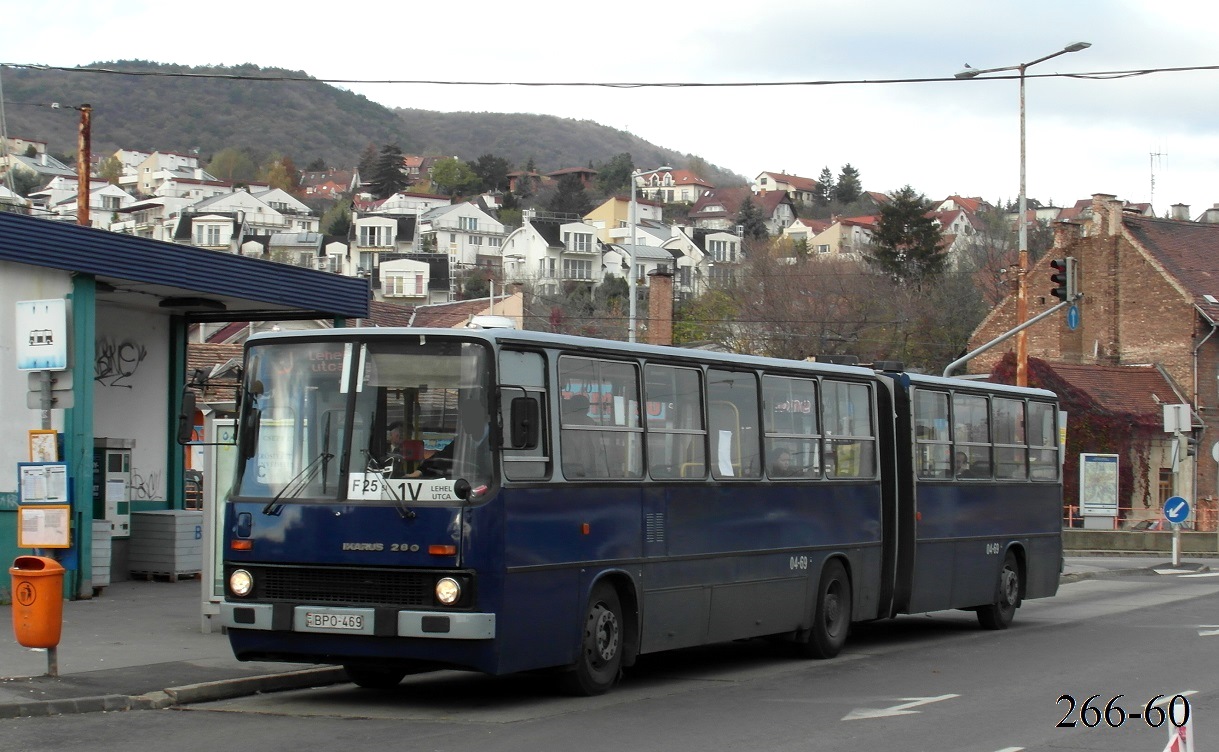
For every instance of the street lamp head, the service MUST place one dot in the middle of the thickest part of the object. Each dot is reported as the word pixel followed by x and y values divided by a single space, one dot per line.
pixel 1077 46
pixel 968 72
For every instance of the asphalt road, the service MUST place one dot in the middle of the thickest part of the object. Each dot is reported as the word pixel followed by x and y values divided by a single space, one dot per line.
pixel 916 683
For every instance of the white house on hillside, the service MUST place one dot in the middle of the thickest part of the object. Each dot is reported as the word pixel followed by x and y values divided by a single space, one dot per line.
pixel 551 251
pixel 469 235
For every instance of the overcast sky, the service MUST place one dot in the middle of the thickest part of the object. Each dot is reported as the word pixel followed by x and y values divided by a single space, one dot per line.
pixel 1085 136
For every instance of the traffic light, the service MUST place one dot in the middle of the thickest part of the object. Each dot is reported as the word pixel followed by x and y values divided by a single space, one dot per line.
pixel 1064 278
pixel 1191 445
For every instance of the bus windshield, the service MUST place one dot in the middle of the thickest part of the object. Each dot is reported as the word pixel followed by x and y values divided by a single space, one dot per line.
pixel 419 411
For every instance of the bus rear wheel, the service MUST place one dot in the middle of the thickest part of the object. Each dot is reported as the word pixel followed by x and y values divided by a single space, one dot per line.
pixel 599 659
pixel 374 678
pixel 999 615
pixel 831 614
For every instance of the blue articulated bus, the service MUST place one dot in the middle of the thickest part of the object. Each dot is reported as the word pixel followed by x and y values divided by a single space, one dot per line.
pixel 504 501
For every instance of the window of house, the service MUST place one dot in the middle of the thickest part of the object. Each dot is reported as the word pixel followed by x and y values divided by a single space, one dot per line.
pixel 577 269
pixel 372 236
pixel 408 284
pixel 581 242
pixel 683 276
pixel 470 224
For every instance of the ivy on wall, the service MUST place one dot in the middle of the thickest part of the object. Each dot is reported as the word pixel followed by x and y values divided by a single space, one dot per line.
pixel 1091 428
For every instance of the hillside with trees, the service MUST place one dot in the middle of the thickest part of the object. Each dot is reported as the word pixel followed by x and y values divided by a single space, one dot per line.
pixel 264 111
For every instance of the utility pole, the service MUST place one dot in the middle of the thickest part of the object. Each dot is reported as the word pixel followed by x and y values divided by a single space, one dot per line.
pixel 83 149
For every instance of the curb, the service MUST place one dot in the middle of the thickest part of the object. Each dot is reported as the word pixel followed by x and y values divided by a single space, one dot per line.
pixel 223 689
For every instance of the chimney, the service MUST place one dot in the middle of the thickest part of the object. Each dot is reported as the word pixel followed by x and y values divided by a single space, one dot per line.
pixel 1180 211
pixel 660 307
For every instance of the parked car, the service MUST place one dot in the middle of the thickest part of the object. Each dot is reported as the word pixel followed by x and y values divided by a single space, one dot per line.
pixel 1158 524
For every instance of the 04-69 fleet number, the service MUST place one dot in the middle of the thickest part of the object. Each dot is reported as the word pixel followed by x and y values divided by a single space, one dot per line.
pixel 798 562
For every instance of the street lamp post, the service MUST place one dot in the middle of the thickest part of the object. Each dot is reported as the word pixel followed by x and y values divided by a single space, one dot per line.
pixel 630 273
pixel 1022 267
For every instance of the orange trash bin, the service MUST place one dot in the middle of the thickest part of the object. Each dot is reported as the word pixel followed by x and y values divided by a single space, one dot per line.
pixel 37 601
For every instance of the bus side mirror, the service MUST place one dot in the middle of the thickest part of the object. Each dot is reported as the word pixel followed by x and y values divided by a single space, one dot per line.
pixel 186 417
pixel 526 423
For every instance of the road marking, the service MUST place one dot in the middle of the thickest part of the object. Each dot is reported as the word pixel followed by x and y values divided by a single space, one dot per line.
pixel 1010 749
pixel 1201 574
pixel 1208 630
pixel 903 709
pixel 1173 571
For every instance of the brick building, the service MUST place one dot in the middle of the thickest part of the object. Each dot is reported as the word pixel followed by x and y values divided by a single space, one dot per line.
pixel 1150 303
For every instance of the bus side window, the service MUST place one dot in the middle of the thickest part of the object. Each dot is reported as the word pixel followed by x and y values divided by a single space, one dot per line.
pixel 734 424
pixel 524 437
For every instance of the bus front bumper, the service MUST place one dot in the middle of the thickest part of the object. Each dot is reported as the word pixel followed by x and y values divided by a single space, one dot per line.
pixel 356 621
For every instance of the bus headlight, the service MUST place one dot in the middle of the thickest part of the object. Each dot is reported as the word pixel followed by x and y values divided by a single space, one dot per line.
pixel 241 583
pixel 448 591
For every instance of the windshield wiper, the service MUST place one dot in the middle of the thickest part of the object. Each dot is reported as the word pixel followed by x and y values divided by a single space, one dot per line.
pixel 298 483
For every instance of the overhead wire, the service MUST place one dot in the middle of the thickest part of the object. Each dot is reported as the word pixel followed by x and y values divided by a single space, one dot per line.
pixel 281 77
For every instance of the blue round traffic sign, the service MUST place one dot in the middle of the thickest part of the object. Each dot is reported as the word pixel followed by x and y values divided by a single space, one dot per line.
pixel 1176 509
pixel 1073 317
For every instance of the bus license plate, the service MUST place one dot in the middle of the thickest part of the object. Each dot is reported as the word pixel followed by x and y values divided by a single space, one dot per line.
pixel 333 621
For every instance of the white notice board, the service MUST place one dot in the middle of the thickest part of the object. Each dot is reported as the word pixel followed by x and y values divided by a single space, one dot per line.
pixel 1098 484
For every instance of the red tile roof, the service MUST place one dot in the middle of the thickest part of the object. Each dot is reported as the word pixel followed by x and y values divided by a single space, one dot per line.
pixel 1120 389
pixel 1188 251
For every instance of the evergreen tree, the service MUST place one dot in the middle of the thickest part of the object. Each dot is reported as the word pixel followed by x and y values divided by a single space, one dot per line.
pixel 388 177
pixel 825 188
pixel 368 162
pixel 492 172
pixel 569 197
pixel 337 220
pixel 615 175
pixel 848 188
pixel 907 241
pixel 752 221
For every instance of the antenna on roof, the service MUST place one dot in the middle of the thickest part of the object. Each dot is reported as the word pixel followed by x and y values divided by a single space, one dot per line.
pixel 1155 155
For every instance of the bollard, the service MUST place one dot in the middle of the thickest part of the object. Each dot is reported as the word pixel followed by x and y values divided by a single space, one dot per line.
pixel 38 605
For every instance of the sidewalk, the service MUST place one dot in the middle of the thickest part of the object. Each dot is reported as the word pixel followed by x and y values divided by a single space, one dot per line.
pixel 139 645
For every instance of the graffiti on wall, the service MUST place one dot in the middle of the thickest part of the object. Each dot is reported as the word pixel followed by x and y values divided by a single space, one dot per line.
pixel 117 361
pixel 145 485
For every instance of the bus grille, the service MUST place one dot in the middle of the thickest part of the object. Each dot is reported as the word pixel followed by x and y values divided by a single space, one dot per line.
pixel 370 587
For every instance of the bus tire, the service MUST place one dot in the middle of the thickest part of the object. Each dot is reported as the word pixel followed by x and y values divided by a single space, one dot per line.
pixel 999 615
pixel 599 658
pixel 831 614
pixel 374 678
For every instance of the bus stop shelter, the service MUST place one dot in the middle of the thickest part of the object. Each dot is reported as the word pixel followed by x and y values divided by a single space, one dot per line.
pixel 128 305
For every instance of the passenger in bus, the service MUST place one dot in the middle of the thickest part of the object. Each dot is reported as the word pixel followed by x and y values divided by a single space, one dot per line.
pixel 782 466
pixel 967 469
pixel 578 450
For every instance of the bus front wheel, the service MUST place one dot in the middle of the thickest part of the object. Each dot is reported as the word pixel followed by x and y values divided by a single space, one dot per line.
pixel 831 614
pixel 599 660
pixel 999 615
